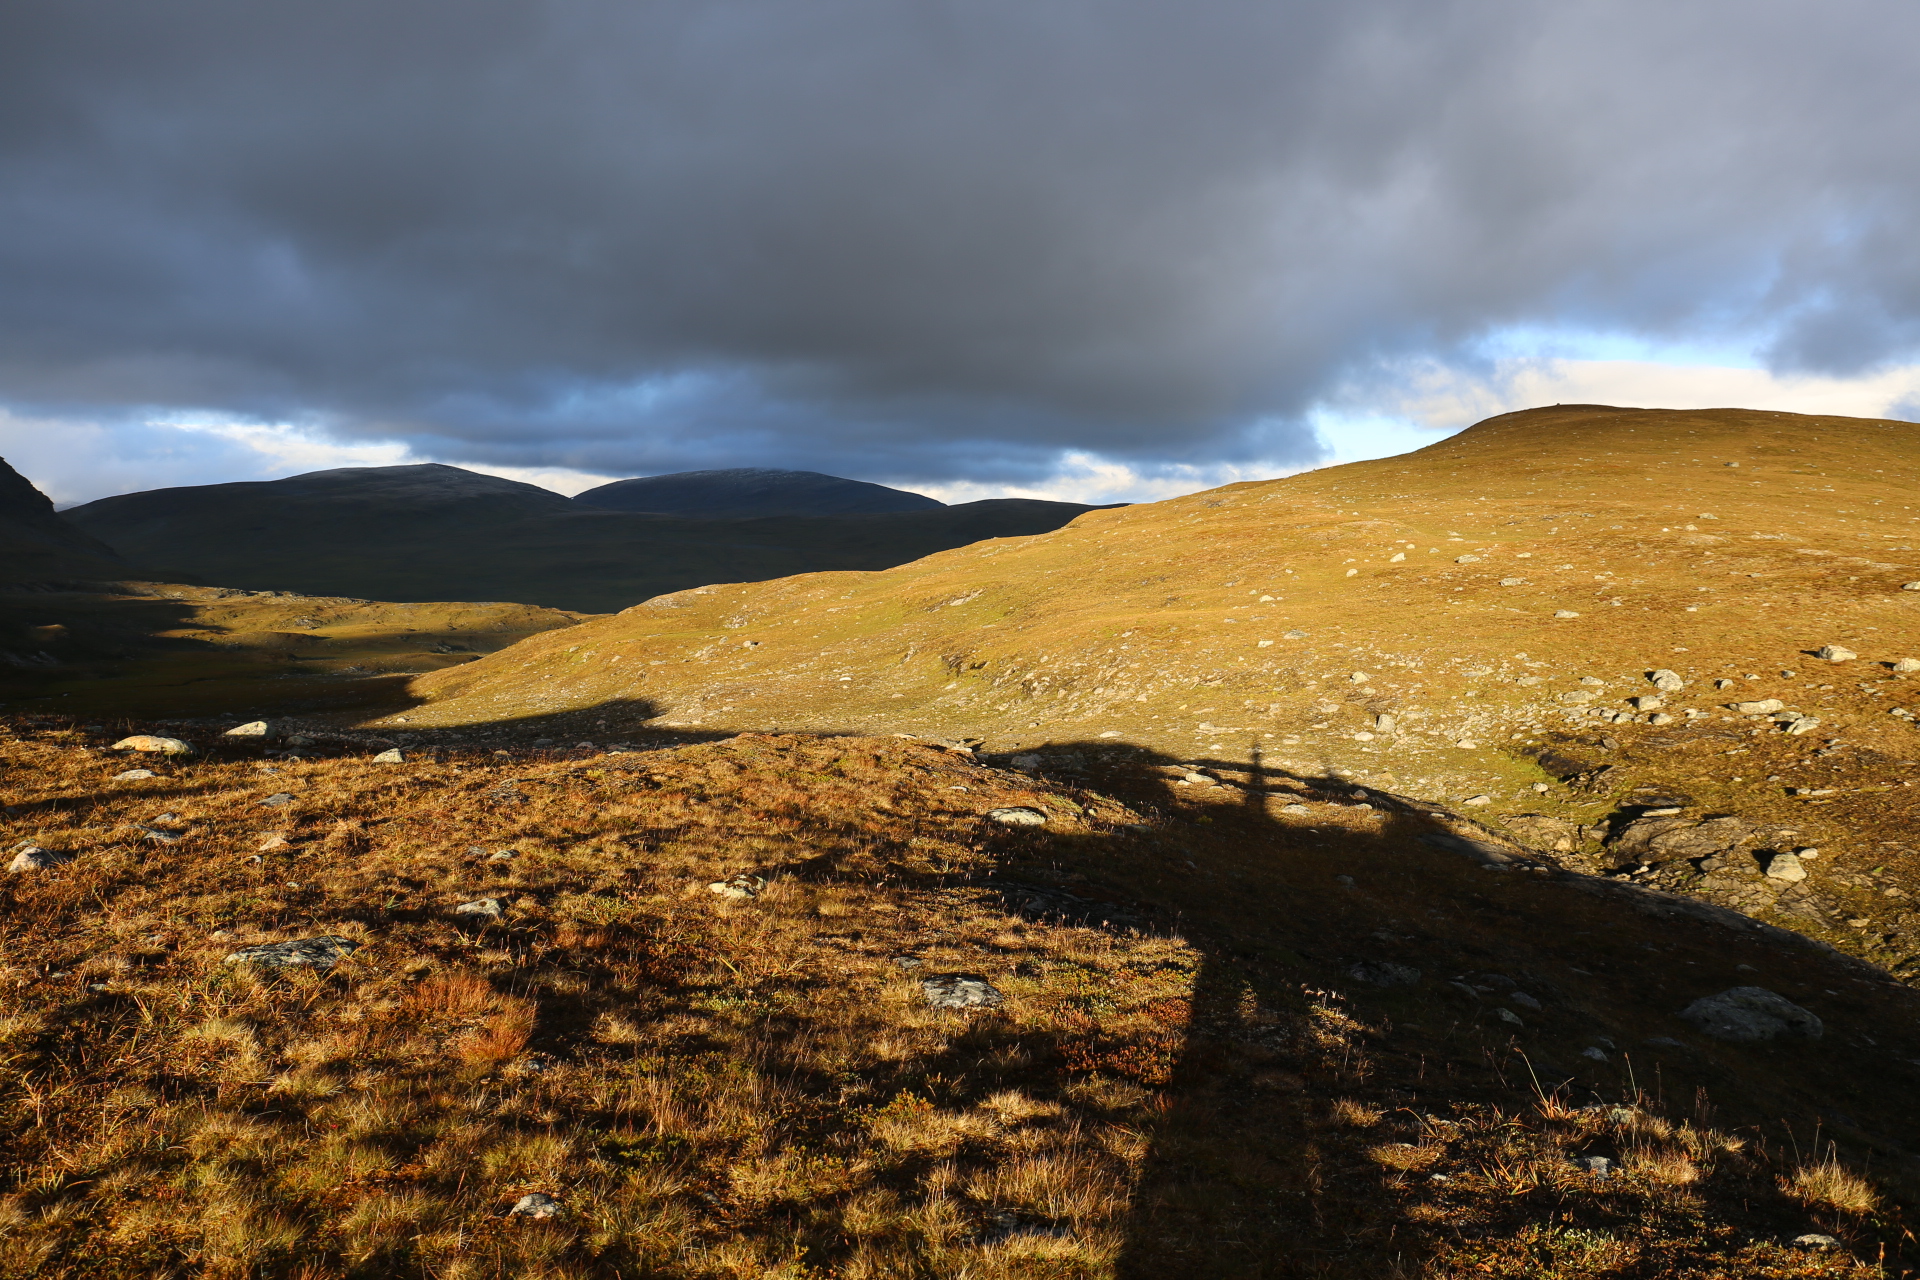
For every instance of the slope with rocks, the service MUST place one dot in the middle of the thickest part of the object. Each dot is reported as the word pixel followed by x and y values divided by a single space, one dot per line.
pixel 1564 621
pixel 745 492
pixel 432 532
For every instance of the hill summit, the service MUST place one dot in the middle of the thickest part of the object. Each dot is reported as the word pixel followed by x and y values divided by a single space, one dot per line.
pixel 740 492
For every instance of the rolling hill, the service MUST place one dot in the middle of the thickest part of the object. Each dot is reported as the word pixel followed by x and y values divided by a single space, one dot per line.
pixel 432 532
pixel 1525 622
pixel 746 492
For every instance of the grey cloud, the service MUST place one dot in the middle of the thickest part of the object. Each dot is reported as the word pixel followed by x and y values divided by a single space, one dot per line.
pixel 924 241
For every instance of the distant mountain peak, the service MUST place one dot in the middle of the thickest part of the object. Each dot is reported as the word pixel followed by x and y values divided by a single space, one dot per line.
pixel 744 492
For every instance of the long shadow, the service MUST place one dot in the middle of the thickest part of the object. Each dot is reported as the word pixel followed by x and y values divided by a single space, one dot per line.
pixel 1359 956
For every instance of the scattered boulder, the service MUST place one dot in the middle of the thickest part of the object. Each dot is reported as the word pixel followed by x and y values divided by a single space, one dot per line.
pixel 1835 653
pixel 535 1204
pixel 1565 613
pixel 1797 724
pixel 1814 1240
pixel 134 775
pixel 392 756
pixel 1910 586
pixel 1648 702
pixel 479 909
pixel 150 743
pixel 1786 867
pixel 1666 680
pixel 1478 800
pixel 31 857
pixel 1752 1015
pixel 278 799
pixel 1907 665
pixel 1656 839
pixel 318 953
pixel 1758 707
pixel 960 991
pixel 275 840
pixel 1598 1166
pixel 740 886
pixel 252 729
pixel 1382 973
pixel 1021 816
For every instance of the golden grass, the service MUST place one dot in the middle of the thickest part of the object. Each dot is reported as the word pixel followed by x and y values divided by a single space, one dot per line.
pixel 1830 1184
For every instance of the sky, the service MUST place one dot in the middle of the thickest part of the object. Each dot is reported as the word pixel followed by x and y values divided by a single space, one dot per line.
pixel 1100 251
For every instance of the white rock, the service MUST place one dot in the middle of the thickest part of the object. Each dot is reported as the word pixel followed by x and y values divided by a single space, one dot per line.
pixel 486 908
pixel 1648 702
pixel 1759 707
pixel 1466 744
pixel 1384 722
pixel 1907 664
pixel 1565 613
pixel 1751 1015
pixel 1659 717
pixel 740 886
pixel 1598 1055
pixel 1815 1240
pixel 33 858
pixel 1910 586
pixel 1574 697
pixel 536 1204
pixel 1800 725
pixel 1359 677
pixel 1478 800
pixel 390 757
pixel 252 729
pixel 1786 866
pixel 134 775
pixel 1835 653
pixel 1466 559
pixel 1020 816
pixel 1513 582
pixel 151 743
pixel 1669 681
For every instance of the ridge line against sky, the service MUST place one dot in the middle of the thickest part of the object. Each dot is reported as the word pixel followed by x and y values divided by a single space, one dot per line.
pixel 1100 252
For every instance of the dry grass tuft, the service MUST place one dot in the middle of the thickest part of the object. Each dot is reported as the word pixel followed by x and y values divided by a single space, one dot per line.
pixel 1832 1185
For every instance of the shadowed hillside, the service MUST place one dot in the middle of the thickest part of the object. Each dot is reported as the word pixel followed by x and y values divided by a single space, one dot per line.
pixel 745 492
pixel 36 545
pixel 432 532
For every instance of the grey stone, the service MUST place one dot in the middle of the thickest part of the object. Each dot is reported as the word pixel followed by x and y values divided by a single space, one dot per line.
pixel 1814 1240
pixel 253 729
pixel 1667 838
pixel 392 756
pixel 1524 1000
pixel 1835 653
pixel 1666 680
pixel 1800 724
pixel 1574 697
pixel 1025 762
pixel 1383 973
pixel 157 745
pixel 960 991
pixel 1648 702
pixel 159 834
pixel 1021 816
pixel 740 886
pixel 134 775
pixel 1543 831
pixel 1598 1166
pixel 278 799
pixel 1295 809
pixel 319 953
pixel 1751 1015
pixel 1466 559
pixel 33 858
pixel 1384 723
pixel 1508 1015
pixel 535 1204
pixel 1907 665
pixel 1513 582
pixel 1663 1042
pixel 1565 613
pixel 1301 635
pixel 1758 707
pixel 480 908
pixel 1595 1053
pixel 1786 866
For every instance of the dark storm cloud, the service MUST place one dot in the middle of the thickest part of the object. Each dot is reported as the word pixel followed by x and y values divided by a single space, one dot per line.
pixel 946 238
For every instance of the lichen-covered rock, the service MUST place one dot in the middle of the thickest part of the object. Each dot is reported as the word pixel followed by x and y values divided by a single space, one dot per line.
pixel 32 857
pixel 1021 816
pixel 318 953
pixel 960 991
pixel 157 745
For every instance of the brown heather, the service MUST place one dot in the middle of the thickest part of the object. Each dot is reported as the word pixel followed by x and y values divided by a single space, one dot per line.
pixel 756 1088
